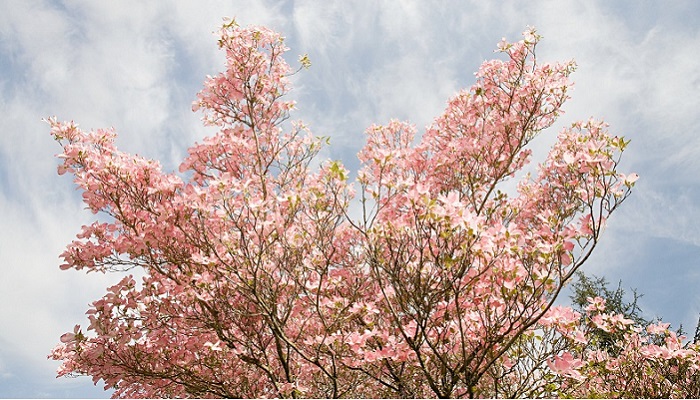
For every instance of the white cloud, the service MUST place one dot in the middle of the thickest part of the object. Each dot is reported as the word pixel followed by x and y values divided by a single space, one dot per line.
pixel 5 372
pixel 138 66
pixel 39 302
pixel 673 214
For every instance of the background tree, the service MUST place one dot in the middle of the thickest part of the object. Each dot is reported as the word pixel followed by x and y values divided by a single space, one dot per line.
pixel 257 282
pixel 674 375
pixel 622 359
pixel 586 287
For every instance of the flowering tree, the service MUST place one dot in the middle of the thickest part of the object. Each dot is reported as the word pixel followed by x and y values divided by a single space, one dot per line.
pixel 256 281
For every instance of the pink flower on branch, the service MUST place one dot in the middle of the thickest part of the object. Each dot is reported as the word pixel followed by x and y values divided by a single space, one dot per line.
pixel 567 365
pixel 257 282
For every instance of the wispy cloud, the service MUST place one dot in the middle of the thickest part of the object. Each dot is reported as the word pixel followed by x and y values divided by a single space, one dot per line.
pixel 137 67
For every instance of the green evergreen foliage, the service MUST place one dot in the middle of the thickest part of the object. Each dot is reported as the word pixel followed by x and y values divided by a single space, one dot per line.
pixel 616 302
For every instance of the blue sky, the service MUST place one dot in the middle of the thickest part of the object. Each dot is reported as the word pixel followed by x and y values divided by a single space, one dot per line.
pixel 137 66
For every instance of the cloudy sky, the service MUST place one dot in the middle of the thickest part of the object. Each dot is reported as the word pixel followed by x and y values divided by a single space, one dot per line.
pixel 136 66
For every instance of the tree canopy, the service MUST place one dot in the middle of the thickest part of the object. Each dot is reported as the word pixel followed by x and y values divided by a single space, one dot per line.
pixel 258 281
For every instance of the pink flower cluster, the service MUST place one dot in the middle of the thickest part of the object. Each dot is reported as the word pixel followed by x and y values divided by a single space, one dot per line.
pixel 257 282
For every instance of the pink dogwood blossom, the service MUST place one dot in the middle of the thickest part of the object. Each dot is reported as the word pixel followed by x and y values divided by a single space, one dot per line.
pixel 256 281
